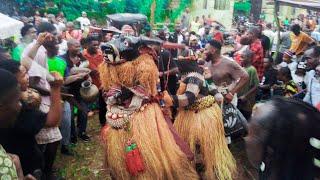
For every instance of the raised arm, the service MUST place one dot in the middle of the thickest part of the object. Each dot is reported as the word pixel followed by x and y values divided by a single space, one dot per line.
pixel 193 84
pixel 54 114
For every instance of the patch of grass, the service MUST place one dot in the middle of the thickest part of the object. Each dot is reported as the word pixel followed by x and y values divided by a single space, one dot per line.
pixel 87 162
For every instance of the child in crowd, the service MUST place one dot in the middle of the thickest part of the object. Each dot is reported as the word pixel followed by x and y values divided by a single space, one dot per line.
pixel 269 79
pixel 288 87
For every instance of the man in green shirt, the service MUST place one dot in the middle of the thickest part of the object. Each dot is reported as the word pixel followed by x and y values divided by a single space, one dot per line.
pixel 57 64
pixel 28 33
pixel 286 22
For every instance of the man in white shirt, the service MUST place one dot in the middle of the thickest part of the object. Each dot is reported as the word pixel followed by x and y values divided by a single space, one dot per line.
pixel 84 21
pixel 313 91
pixel 316 34
pixel 269 33
pixel 312 57
pixel 36 52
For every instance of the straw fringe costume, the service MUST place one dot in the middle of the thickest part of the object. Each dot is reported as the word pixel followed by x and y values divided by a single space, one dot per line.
pixel 139 143
pixel 199 122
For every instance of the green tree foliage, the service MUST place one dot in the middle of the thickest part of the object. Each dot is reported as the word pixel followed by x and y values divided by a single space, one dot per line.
pixel 132 6
pixel 161 11
pixel 73 8
pixel 98 9
pixel 27 7
pixel 175 13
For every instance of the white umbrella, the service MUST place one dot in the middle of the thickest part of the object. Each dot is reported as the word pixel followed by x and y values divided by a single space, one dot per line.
pixel 9 26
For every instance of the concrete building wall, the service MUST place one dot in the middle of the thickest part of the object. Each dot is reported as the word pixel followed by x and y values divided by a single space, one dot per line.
pixel 285 11
pixel 206 7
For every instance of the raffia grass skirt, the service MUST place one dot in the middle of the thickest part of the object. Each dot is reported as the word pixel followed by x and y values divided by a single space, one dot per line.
pixel 163 159
pixel 205 128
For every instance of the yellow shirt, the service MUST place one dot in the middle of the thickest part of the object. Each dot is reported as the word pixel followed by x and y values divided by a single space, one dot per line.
pixel 299 43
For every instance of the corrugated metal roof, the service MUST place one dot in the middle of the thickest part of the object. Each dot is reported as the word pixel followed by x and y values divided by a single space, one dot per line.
pixel 309 4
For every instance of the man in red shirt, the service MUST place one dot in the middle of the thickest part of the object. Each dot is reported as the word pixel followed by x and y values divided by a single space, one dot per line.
pixel 217 34
pixel 251 38
pixel 95 57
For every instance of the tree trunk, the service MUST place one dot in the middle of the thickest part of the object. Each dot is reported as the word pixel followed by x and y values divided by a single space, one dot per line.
pixel 256 6
pixel 153 9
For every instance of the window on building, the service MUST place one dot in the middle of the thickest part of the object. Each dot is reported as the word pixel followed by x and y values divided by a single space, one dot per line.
pixel 222 4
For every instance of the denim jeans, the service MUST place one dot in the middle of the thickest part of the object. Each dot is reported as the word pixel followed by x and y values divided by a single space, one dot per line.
pixel 65 127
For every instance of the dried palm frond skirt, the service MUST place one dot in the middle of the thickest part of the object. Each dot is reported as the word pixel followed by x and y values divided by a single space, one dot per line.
pixel 204 127
pixel 163 159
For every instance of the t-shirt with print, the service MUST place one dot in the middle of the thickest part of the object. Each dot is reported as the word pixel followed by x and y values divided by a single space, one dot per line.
pixel 7 168
pixel 20 139
pixel 290 89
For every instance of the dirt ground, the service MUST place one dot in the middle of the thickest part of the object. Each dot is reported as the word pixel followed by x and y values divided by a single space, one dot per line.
pixel 87 164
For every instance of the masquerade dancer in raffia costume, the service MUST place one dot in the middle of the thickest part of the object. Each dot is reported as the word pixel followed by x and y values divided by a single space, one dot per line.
pixel 199 122
pixel 139 142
